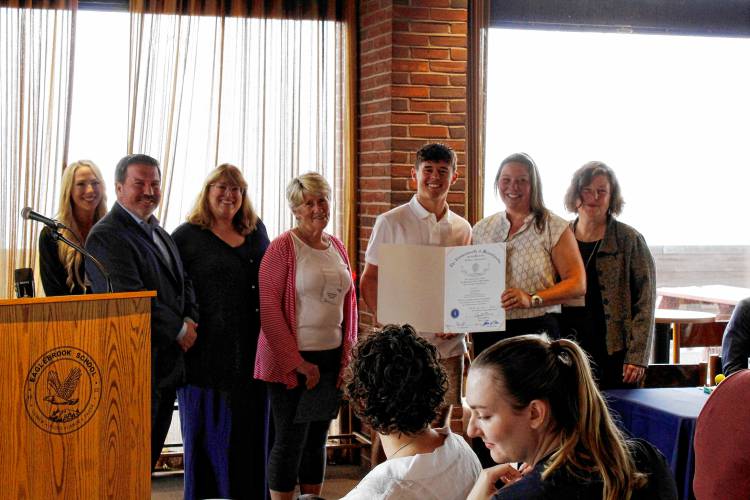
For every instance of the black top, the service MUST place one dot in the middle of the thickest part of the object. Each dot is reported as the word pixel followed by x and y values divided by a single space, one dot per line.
pixel 563 485
pixel 52 271
pixel 225 280
pixel 588 321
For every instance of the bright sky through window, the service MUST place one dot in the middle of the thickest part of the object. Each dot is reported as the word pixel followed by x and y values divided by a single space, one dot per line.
pixel 98 130
pixel 667 113
pixel 269 125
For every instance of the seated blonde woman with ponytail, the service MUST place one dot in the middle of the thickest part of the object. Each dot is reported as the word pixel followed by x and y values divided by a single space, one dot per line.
pixel 535 401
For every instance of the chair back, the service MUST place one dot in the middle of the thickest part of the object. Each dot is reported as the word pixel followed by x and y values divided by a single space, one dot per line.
pixel 703 334
pixel 681 375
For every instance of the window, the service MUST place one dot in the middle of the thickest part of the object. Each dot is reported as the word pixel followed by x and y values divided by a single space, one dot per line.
pixel 667 113
pixel 270 94
pixel 286 132
pixel 99 116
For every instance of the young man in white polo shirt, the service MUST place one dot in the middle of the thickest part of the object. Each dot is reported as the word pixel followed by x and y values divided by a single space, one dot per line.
pixel 425 220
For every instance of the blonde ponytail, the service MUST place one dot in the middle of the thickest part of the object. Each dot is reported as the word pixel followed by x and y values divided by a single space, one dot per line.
pixel 594 443
pixel 531 368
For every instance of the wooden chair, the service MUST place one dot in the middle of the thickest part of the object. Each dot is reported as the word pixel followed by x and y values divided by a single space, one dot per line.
pixel 703 334
pixel 344 441
pixel 669 375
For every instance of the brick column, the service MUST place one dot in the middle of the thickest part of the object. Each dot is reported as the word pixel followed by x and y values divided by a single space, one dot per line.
pixel 412 90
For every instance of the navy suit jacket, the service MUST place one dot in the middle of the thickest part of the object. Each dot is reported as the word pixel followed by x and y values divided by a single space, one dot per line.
pixel 135 263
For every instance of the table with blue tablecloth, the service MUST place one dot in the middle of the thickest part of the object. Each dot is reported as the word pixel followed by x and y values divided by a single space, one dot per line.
pixel 665 417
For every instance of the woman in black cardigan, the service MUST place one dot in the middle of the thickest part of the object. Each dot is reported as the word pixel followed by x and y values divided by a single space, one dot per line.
pixel 223 410
pixel 83 202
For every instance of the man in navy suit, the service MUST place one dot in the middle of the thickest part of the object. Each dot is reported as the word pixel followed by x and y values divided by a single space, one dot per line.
pixel 140 255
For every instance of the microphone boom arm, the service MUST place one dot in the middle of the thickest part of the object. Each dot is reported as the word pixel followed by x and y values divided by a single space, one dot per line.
pixel 59 237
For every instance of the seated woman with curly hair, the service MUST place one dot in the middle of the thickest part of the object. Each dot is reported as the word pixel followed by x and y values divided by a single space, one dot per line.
pixel 396 385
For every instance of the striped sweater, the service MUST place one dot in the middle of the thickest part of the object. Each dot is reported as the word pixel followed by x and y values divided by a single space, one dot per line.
pixel 278 356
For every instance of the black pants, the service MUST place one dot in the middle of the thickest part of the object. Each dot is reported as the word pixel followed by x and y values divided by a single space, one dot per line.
pixel 298 453
pixel 576 324
pixel 162 407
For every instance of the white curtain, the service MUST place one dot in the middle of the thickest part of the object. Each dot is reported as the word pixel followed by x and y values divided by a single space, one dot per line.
pixel 36 46
pixel 267 95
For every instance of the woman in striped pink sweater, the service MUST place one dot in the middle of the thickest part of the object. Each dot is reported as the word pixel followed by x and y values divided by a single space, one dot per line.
pixel 308 312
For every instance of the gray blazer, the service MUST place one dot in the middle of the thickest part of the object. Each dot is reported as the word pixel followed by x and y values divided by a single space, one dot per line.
pixel 627 277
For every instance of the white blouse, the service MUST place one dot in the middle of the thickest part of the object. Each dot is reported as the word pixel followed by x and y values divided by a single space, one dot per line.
pixel 322 281
pixel 529 264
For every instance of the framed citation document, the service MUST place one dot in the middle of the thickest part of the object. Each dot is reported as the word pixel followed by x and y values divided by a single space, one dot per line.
pixel 442 289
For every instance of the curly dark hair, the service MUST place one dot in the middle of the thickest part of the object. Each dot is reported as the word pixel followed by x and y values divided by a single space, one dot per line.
pixel 395 382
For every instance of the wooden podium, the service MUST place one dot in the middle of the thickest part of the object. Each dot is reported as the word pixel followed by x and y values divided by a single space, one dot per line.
pixel 75 387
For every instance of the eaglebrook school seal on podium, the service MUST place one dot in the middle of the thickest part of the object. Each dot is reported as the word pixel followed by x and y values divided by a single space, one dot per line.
pixel 62 390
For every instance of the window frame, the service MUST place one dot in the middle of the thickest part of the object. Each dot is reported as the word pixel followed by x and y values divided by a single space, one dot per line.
pixel 674 17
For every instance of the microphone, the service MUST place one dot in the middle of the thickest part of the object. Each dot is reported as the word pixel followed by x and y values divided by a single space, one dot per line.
pixel 28 214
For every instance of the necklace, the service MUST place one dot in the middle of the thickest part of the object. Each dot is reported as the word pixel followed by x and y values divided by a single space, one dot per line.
pixel 591 255
pixel 402 447
pixel 596 246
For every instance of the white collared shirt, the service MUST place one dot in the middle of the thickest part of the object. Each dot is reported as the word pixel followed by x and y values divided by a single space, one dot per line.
pixel 412 224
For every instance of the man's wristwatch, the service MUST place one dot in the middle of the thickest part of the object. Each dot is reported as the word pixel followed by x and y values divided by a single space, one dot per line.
pixel 536 301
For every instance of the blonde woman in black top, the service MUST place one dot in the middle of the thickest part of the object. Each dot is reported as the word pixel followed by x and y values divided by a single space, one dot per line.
pixel 83 202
